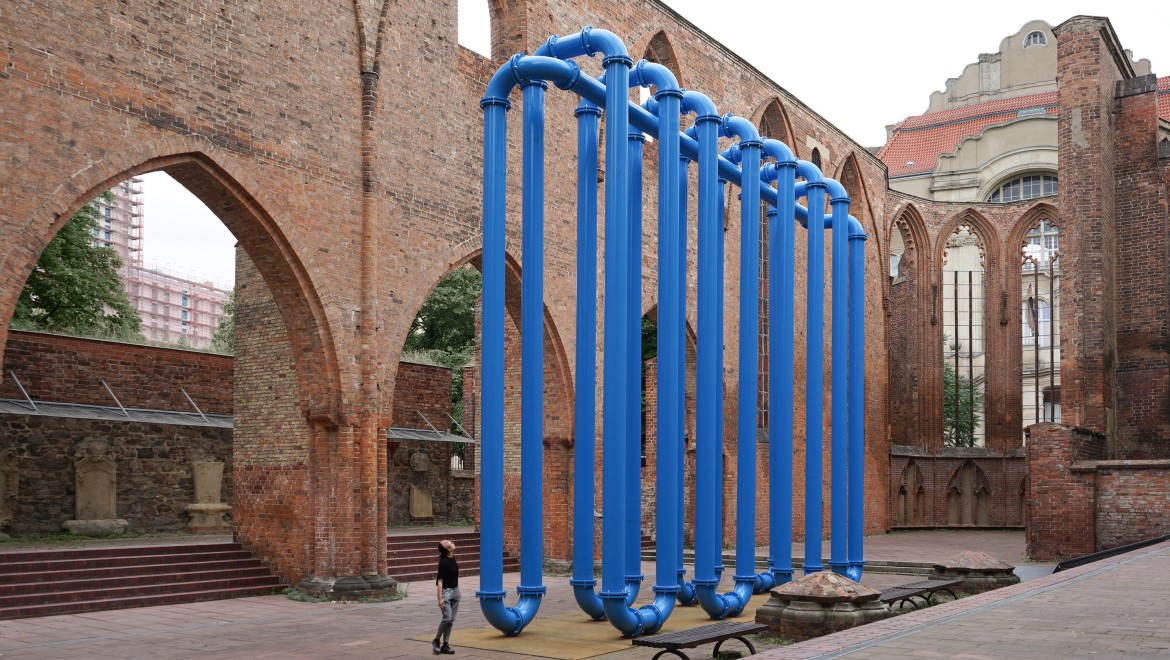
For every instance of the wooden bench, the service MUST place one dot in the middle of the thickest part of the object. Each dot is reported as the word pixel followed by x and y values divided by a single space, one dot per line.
pixel 925 589
pixel 689 639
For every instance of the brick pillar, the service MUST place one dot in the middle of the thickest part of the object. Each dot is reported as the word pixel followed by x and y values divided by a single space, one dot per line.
pixel 1143 270
pixel 1088 61
pixel 1061 516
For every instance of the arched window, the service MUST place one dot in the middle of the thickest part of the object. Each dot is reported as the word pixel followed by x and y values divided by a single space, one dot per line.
pixel 1028 186
pixel 474 26
pixel 964 360
pixel 815 159
pixel 1040 324
pixel 897 249
pixel 1035 38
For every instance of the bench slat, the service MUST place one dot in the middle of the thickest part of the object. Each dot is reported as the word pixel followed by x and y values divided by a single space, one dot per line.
pixel 693 637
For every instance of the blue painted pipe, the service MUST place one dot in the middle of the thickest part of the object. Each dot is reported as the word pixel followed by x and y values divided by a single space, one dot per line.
pixel 633 332
pixel 814 365
pixel 491 543
pixel 856 406
pixel 671 338
pixel 781 308
pixel 709 409
pixel 839 425
pixel 585 415
pixel 619 398
pixel 686 592
pixel 749 148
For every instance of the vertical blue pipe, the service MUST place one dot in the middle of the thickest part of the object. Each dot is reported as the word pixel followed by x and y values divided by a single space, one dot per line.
pixel 634 577
pixel 532 344
pixel 585 417
pixel 814 374
pixel 618 398
pixel 749 329
pixel 782 285
pixel 491 540
pixel 839 427
pixel 718 468
pixel 671 352
pixel 709 406
pixel 856 405
pixel 686 594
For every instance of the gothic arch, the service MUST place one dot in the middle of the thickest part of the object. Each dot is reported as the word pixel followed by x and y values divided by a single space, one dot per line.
pixel 660 50
pixel 773 122
pixel 968 496
pixel 236 200
pixel 988 238
pixel 911 502
pixel 909 220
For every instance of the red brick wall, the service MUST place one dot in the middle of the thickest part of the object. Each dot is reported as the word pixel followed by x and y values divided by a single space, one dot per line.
pixel 1062 511
pixel 1143 269
pixel 70 370
pixel 426 389
pixel 1004 474
pixel 1132 500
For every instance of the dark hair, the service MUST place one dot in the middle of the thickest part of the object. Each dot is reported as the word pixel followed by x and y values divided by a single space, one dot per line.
pixel 442 549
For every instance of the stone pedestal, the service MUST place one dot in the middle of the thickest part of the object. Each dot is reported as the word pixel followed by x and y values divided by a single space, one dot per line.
pixel 207 511
pixel 95 476
pixel 979 572
pixel 820 604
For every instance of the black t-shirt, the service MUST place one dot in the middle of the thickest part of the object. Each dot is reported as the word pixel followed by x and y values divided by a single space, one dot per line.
pixel 448 573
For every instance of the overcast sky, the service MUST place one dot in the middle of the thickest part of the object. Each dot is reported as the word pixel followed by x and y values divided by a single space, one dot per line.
pixel 861 65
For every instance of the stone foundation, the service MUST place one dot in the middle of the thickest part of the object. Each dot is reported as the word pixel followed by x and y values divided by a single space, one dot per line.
pixel 820 604
pixel 978 571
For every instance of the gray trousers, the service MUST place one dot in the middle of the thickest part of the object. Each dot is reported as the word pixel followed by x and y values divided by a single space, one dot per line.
pixel 450 609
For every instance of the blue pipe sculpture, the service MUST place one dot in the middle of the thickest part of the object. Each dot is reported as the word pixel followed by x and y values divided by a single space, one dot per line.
pixel 742 166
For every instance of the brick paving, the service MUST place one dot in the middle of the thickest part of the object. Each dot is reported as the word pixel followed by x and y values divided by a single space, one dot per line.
pixel 275 627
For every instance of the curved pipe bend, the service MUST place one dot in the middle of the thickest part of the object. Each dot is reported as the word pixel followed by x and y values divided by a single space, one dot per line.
pixel 632 622
pixel 721 606
pixel 510 620
pixel 686 590
pixel 780 152
pixel 589 41
pixel 587 599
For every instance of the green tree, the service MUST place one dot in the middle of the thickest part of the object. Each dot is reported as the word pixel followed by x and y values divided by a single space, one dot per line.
pixel 446 320
pixel 962 405
pixel 443 332
pixel 224 339
pixel 75 287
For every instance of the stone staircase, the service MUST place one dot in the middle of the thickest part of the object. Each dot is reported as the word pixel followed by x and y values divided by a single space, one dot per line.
pixel 46 582
pixel 413 557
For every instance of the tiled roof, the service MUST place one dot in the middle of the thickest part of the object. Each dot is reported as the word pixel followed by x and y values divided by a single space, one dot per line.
pixel 1164 98
pixel 917 141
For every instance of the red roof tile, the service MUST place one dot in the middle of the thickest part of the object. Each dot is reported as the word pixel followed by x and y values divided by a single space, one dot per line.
pixel 917 141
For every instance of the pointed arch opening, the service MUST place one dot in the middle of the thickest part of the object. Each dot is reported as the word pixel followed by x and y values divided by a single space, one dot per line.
pixel 911 504
pixel 1037 236
pixel 964 301
pixel 968 496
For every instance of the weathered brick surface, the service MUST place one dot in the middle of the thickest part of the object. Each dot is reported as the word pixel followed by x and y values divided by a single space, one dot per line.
pixel 1005 477
pixel 1132 497
pixel 1061 502
pixel 154 469
pixel 71 370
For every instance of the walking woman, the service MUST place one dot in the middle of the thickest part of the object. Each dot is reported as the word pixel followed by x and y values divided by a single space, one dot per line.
pixel 447 586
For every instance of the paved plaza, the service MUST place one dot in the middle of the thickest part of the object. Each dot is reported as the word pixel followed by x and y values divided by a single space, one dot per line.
pixel 1103 610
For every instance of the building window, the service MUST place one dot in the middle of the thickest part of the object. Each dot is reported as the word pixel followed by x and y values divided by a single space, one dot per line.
pixel 815 159
pixel 107 234
pixel 184 315
pixel 1036 38
pixel 186 301
pixel 1029 186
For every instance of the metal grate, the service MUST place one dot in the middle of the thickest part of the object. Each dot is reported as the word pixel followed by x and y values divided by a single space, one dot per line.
pixel 82 411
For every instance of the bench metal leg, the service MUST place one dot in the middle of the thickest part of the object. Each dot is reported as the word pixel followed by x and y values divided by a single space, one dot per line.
pixel 678 653
pixel 746 643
